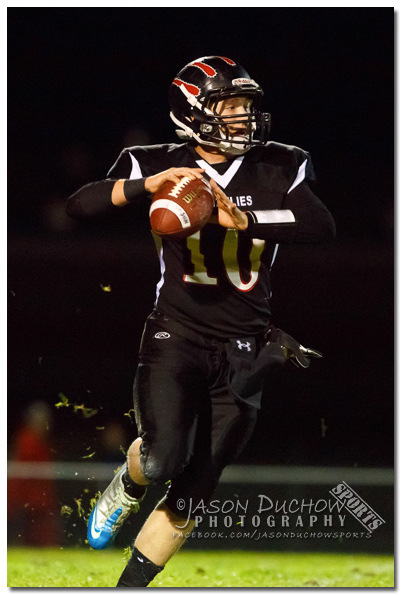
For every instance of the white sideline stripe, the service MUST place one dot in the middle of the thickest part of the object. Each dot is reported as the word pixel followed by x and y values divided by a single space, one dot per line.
pixel 307 475
pixel 241 474
pixel 165 203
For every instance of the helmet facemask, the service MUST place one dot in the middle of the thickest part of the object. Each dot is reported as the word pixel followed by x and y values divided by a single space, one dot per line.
pixel 232 134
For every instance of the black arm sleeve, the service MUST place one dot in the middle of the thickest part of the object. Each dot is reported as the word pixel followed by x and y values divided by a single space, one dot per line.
pixel 95 199
pixel 314 222
pixel 303 218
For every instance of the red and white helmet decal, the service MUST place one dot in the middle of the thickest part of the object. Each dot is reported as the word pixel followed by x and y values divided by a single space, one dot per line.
pixel 193 89
pixel 206 69
pixel 228 61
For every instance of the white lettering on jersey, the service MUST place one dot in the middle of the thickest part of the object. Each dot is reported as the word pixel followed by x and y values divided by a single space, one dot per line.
pixel 230 248
pixel 200 274
pixel 242 201
pixel 229 255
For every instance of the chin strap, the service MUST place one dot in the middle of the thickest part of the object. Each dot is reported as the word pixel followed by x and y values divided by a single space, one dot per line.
pixel 193 101
pixel 184 132
pixel 231 149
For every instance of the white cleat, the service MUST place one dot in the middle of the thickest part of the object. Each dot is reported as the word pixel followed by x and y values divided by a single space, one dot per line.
pixel 110 512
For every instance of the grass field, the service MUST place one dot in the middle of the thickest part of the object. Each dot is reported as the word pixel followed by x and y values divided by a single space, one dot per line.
pixel 87 568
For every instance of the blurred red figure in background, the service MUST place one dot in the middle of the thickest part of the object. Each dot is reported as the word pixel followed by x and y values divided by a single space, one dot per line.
pixel 33 511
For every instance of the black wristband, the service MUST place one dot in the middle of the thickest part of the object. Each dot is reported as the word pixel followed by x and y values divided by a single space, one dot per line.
pixel 134 189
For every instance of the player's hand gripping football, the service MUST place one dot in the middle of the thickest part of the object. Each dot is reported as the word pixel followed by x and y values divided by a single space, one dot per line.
pixel 173 174
pixel 228 213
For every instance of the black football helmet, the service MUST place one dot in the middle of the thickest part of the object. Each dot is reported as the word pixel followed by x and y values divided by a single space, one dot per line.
pixel 194 96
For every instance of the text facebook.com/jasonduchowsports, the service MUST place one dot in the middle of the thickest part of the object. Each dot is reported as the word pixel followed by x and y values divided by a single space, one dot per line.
pixel 274 519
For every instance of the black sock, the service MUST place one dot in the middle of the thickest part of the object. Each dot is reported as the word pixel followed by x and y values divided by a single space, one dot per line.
pixel 131 488
pixel 139 571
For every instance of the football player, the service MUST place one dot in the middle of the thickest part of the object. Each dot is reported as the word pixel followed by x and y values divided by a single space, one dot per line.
pixel 207 346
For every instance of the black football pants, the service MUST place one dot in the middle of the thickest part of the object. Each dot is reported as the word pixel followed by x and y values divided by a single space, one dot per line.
pixel 191 426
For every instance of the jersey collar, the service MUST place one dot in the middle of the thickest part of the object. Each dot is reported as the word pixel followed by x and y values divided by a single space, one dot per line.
pixel 222 179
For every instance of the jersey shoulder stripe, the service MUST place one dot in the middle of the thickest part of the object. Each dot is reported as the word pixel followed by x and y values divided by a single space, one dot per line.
pixel 137 161
pixel 291 158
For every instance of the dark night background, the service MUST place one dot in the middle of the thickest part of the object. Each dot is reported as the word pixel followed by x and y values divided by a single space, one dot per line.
pixel 84 83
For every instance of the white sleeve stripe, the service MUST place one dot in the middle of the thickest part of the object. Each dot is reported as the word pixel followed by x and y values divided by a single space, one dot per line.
pixel 274 216
pixel 273 258
pixel 301 174
pixel 159 248
pixel 136 172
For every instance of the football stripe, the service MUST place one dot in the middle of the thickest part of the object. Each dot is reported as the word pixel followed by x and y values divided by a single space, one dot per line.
pixel 165 203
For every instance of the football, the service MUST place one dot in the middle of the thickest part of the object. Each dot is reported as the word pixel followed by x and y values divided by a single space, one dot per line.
pixel 180 209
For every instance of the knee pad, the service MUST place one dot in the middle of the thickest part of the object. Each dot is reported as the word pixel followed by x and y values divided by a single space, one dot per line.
pixel 161 467
pixel 191 489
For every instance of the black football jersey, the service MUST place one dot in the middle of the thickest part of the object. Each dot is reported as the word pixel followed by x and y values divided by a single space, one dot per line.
pixel 217 280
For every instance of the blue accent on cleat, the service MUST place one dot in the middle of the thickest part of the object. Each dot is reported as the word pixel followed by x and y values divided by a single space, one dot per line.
pixel 101 537
pixel 110 512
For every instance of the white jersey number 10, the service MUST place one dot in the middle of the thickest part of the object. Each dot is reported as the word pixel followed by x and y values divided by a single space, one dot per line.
pixel 229 255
